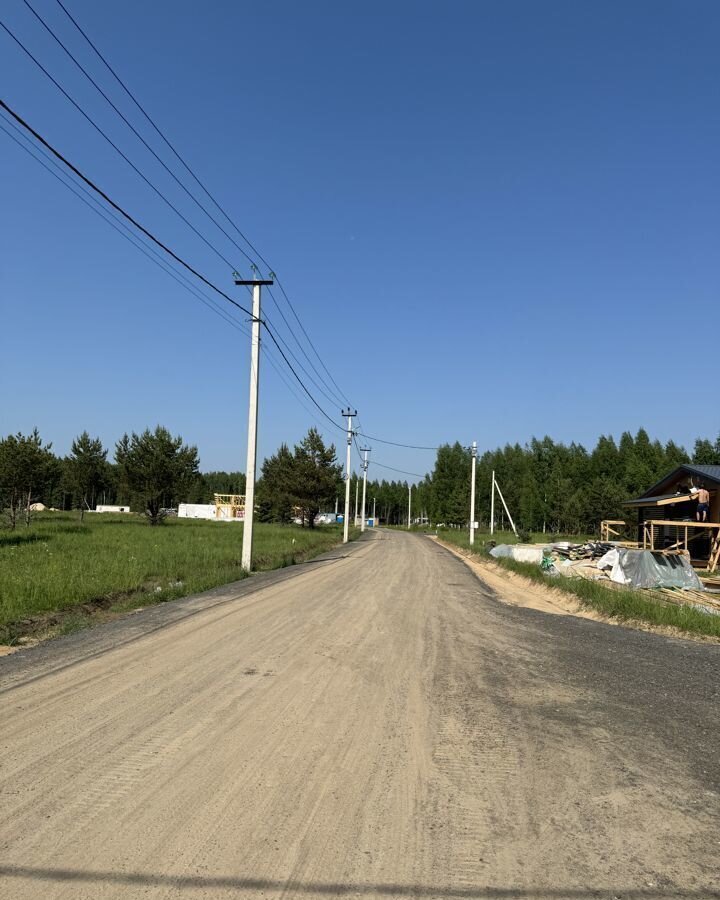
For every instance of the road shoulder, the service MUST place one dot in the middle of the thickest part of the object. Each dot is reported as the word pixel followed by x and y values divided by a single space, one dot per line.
pixel 516 590
pixel 38 660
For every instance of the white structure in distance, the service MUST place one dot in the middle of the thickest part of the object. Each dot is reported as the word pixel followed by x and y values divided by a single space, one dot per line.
pixel 206 511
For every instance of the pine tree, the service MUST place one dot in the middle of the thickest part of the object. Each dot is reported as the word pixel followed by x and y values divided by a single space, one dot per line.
pixel 156 468
pixel 87 470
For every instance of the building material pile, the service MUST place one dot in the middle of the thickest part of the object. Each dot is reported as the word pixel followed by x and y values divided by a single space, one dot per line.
pixel 588 550
pixel 645 569
pixel 665 577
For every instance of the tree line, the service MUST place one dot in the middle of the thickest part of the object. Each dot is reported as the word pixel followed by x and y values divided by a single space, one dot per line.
pixel 548 486
pixel 152 471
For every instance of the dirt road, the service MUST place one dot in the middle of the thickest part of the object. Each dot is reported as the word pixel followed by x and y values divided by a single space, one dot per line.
pixel 375 725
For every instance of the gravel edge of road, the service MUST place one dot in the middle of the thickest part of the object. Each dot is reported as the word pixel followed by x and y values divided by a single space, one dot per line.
pixel 41 659
pixel 566 604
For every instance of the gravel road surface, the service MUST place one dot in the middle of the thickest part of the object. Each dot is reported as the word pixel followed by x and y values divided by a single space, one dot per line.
pixel 373 725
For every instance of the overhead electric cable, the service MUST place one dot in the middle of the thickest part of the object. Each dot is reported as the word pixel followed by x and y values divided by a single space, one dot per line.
pixel 299 380
pixel 401 471
pixel 268 321
pixel 207 192
pixel 160 133
pixel 130 236
pixel 151 254
pixel 337 397
pixel 118 208
pixel 395 443
pixel 307 337
pixel 136 132
pixel 116 148
pixel 163 246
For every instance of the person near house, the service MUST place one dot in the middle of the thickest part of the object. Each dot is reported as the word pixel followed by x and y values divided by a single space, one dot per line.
pixel 703 507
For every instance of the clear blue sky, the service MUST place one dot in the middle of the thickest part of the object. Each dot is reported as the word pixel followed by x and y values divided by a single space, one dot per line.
pixel 497 220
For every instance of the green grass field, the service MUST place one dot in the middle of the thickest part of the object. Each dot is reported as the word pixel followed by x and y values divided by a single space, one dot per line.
pixel 612 602
pixel 119 562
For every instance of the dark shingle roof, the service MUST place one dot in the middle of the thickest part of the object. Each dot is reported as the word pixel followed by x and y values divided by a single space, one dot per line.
pixel 711 473
pixel 706 471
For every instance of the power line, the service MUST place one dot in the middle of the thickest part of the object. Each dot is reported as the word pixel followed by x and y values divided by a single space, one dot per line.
pixel 327 396
pixel 118 225
pixel 150 253
pixel 134 130
pixel 116 148
pixel 307 336
pixel 179 259
pixel 401 471
pixel 118 208
pixel 163 246
pixel 159 132
pixel 207 192
pixel 299 380
pixel 147 251
pixel 357 446
pixel 395 443
pixel 337 397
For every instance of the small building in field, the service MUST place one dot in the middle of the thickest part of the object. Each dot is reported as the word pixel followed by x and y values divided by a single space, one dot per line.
pixel 667 514
pixel 196 511
pixel 226 508
pixel 111 509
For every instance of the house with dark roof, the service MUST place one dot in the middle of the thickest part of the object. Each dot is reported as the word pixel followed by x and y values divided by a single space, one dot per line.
pixel 672 501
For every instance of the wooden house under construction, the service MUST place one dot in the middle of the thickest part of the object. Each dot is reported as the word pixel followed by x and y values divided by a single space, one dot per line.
pixel 667 515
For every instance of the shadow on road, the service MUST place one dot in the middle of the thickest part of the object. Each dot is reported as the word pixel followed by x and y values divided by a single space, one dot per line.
pixel 337 889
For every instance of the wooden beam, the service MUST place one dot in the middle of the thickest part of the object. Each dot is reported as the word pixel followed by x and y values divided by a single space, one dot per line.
pixel 714 554
pixel 682 522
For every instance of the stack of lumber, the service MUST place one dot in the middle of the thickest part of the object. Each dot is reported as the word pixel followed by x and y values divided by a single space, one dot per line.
pixel 709 600
pixel 589 550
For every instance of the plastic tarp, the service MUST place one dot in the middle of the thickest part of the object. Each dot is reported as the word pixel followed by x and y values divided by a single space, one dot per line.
pixel 644 569
pixel 609 560
pixel 532 553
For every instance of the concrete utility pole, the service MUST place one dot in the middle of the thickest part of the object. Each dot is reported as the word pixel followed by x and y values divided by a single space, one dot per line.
pixel 357 491
pixel 365 450
pixel 409 506
pixel 346 518
pixel 374 519
pixel 256 283
pixel 472 494
pixel 492 505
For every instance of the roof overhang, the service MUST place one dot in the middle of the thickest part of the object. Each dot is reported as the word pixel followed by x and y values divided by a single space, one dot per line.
pixel 663 499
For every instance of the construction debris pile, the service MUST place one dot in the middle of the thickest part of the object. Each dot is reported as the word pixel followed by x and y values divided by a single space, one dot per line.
pixel 668 577
pixel 589 550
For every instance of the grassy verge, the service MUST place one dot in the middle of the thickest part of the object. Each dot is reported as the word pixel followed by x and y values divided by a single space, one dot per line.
pixel 626 605
pixel 61 571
